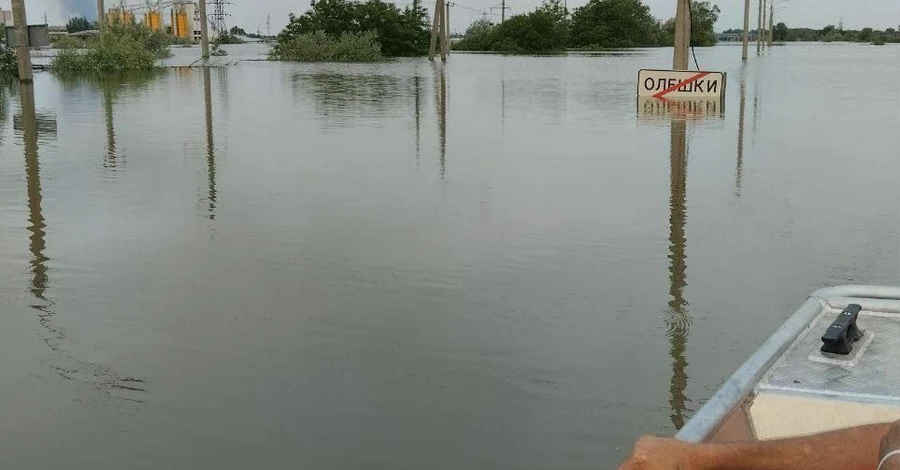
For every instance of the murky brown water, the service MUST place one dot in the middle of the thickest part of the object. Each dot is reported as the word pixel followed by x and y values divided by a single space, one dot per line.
pixel 497 264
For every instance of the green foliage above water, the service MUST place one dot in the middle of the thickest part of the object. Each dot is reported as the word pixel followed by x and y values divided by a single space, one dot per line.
pixel 320 47
pixel 228 37
pixel 831 33
pixel 117 47
pixel 80 23
pixel 546 29
pixel 599 24
pixel 343 22
pixel 614 24
pixel 9 66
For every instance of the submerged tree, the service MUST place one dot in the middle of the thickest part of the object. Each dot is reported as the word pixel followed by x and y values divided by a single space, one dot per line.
pixel 703 23
pixel 545 29
pixel 398 32
pixel 80 23
pixel 615 23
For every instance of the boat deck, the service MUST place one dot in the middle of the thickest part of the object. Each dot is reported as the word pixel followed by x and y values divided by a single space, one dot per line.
pixel 791 388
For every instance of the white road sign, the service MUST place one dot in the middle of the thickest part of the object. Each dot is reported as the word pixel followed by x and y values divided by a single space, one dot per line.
pixel 679 84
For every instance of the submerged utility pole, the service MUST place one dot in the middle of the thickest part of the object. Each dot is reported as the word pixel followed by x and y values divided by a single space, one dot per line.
pixel 771 23
pixel 446 50
pixel 762 40
pixel 204 31
pixel 434 26
pixel 746 29
pixel 682 35
pixel 758 25
pixel 439 31
pixel 23 51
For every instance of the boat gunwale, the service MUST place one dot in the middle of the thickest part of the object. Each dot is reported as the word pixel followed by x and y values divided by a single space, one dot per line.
pixel 742 383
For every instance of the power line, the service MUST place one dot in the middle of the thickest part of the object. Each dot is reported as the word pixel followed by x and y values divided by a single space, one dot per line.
pixel 475 10
pixel 502 9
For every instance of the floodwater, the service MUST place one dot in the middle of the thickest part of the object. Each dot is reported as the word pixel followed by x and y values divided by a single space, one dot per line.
pixel 498 263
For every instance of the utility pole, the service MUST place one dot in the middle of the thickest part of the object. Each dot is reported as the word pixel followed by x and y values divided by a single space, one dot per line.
pixel 440 30
pixel 23 51
pixel 101 14
pixel 762 40
pixel 269 25
pixel 502 11
pixel 204 31
pixel 682 35
pixel 758 26
pixel 746 29
pixel 446 31
pixel 435 22
pixel 771 23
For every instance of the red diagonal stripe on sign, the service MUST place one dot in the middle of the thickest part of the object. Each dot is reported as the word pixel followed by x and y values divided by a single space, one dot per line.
pixel 680 84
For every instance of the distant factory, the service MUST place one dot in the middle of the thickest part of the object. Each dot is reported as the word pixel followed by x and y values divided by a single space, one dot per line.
pixel 180 18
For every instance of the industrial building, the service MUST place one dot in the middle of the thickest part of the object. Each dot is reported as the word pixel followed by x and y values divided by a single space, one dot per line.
pixel 6 17
pixel 180 18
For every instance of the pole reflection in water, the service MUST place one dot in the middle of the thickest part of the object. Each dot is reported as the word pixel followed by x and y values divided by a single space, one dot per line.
pixel 36 224
pixel 756 106
pixel 222 75
pixel 417 83
pixel 739 170
pixel 110 161
pixel 677 319
pixel 503 104
pixel 65 364
pixel 441 100
pixel 210 145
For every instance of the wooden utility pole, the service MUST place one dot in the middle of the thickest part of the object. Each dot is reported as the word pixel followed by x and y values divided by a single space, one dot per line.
pixel 746 29
pixel 101 14
pixel 759 26
pixel 440 31
pixel 762 40
pixel 436 21
pixel 446 50
pixel 682 35
pixel 771 23
pixel 204 31
pixel 23 51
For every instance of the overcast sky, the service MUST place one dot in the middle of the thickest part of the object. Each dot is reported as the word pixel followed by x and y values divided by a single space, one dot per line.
pixel 251 14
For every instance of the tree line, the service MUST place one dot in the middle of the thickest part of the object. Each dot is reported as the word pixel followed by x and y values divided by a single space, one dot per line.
pixel 334 28
pixel 830 33
pixel 349 30
pixel 599 24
